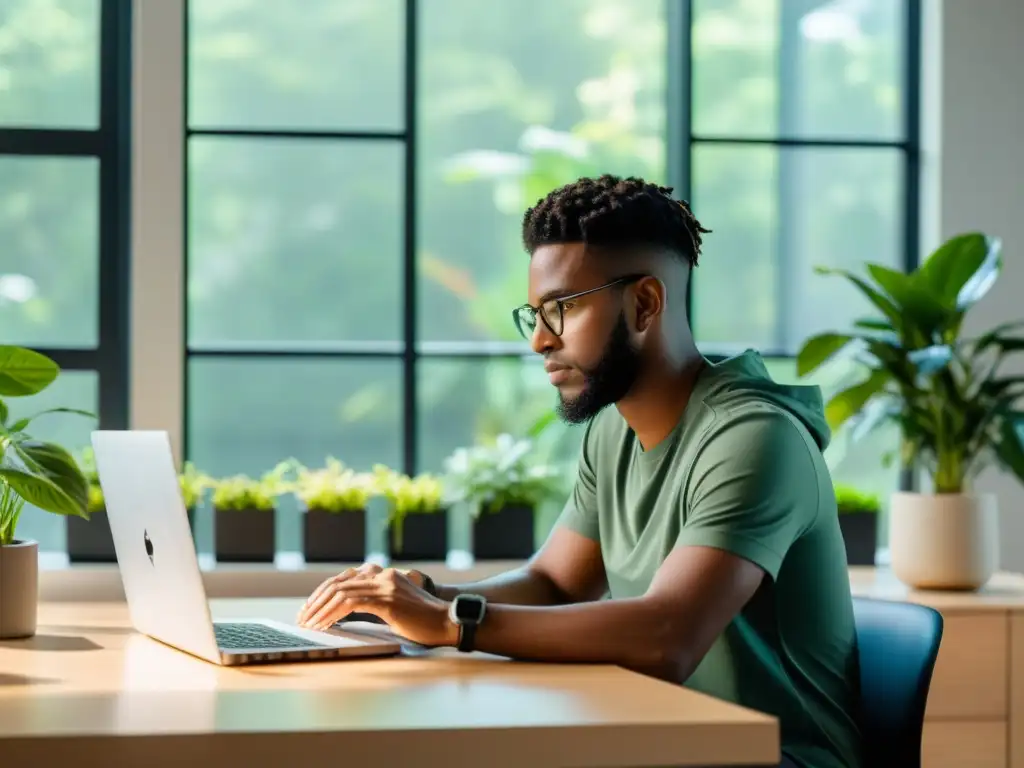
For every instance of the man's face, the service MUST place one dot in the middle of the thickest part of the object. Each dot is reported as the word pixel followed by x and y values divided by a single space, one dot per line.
pixel 593 363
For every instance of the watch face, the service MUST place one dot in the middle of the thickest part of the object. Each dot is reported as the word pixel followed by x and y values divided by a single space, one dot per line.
pixel 469 608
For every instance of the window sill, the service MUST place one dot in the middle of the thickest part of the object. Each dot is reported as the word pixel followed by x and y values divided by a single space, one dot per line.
pixel 287 576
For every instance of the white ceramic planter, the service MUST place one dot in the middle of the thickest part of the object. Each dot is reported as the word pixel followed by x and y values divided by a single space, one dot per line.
pixel 943 541
pixel 19 589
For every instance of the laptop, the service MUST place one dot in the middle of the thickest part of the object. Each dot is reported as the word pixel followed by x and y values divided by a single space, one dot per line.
pixel 160 570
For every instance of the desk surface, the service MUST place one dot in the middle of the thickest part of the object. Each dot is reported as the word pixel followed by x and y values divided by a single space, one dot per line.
pixel 118 698
pixel 1005 591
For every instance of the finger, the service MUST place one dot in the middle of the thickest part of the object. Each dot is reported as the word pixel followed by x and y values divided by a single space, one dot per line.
pixel 341 602
pixel 344 602
pixel 323 593
pixel 335 609
pixel 364 605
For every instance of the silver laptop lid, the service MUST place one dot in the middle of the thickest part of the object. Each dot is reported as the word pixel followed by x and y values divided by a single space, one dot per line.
pixel 152 539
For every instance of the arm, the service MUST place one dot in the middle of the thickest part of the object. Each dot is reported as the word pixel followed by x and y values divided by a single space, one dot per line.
pixel 567 569
pixel 747 507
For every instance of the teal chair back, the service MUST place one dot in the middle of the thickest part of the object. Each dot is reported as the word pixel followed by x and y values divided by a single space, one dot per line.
pixel 898 644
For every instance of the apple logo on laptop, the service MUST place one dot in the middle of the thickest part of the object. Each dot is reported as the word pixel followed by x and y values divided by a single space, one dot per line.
pixel 149 545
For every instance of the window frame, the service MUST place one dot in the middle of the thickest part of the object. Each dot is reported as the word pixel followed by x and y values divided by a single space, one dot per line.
pixel 681 140
pixel 110 144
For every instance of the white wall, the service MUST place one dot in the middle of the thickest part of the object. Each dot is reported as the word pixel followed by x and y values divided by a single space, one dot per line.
pixel 978 96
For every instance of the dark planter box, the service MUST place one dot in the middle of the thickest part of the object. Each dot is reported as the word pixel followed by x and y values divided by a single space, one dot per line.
pixel 504 535
pixel 334 537
pixel 860 534
pixel 90 541
pixel 424 537
pixel 244 535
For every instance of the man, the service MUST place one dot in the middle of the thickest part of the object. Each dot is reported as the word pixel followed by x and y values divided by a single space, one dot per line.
pixel 703 508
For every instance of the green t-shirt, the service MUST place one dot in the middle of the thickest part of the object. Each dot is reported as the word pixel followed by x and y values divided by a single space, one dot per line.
pixel 743 471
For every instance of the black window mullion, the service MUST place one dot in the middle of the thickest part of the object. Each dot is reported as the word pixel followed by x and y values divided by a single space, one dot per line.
pixel 91 541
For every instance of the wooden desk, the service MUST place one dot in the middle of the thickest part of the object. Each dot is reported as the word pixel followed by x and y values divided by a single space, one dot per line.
pixel 975 715
pixel 89 691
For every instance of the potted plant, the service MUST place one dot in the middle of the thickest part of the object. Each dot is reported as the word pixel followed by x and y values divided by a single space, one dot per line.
pixel 858 521
pixel 194 485
pixel 503 486
pixel 244 519
pixel 958 412
pixel 416 514
pixel 89 539
pixel 333 499
pixel 31 471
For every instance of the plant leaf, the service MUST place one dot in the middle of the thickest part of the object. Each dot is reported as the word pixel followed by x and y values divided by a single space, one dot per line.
pixel 24 372
pixel 870 324
pixel 3 412
pixel 41 492
pixel 54 466
pixel 919 304
pixel 22 424
pixel 881 301
pixel 948 269
pixel 851 400
pixel 1010 448
pixel 984 278
pixel 817 349
pixel 931 359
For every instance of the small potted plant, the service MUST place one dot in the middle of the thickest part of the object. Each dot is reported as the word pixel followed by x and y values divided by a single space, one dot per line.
pixel 194 485
pixel 333 500
pixel 958 409
pixel 35 472
pixel 89 539
pixel 858 521
pixel 244 519
pixel 503 486
pixel 416 514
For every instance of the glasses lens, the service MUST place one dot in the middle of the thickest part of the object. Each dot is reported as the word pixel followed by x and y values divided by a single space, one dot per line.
pixel 526 321
pixel 552 311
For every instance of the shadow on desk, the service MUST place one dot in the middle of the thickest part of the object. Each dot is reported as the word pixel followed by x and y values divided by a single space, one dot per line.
pixel 52 643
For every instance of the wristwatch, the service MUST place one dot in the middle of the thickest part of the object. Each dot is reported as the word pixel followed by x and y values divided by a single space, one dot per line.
pixel 467 611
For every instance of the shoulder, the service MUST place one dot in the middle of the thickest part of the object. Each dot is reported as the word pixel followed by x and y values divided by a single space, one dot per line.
pixel 752 430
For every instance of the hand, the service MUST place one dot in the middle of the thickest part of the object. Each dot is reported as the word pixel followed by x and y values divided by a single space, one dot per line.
pixel 320 596
pixel 388 594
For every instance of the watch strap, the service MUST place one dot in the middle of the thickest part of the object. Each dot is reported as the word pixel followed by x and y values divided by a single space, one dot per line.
pixel 467 636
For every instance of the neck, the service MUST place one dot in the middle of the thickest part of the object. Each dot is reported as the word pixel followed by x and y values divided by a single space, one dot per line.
pixel 657 400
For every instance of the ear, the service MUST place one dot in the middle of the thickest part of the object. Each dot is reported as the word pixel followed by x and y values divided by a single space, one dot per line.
pixel 648 302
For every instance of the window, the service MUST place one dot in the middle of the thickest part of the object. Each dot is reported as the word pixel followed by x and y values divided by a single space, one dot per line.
pixel 804 152
pixel 63 213
pixel 357 175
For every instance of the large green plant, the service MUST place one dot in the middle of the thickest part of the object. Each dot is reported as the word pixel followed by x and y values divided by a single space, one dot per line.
pixel 957 410
pixel 35 471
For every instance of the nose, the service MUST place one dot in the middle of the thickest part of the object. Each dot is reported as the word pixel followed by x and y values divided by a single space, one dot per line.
pixel 543 340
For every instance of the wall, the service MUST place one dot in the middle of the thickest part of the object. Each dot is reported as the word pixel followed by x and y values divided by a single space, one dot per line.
pixel 977 90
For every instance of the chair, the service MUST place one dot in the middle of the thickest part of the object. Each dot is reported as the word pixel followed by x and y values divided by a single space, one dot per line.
pixel 898 643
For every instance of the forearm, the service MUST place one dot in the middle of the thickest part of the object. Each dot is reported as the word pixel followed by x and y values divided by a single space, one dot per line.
pixel 522 586
pixel 634 634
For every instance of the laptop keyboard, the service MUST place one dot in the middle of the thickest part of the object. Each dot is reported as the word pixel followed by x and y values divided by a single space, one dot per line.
pixel 232 637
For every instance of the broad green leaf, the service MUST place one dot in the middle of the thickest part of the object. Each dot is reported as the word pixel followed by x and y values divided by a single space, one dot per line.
pixel 817 349
pixel 43 493
pixel 54 464
pixel 1010 448
pixel 922 309
pixel 541 424
pixel 850 401
pixel 3 412
pixel 881 301
pixel 952 264
pixel 988 338
pixel 22 424
pixel 24 372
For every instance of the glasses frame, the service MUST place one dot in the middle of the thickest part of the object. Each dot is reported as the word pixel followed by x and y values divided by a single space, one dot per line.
pixel 537 311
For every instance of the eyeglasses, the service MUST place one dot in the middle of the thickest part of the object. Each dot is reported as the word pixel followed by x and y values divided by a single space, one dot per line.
pixel 552 311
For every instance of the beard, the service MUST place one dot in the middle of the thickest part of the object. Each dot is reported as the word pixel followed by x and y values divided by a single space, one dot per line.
pixel 607 382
